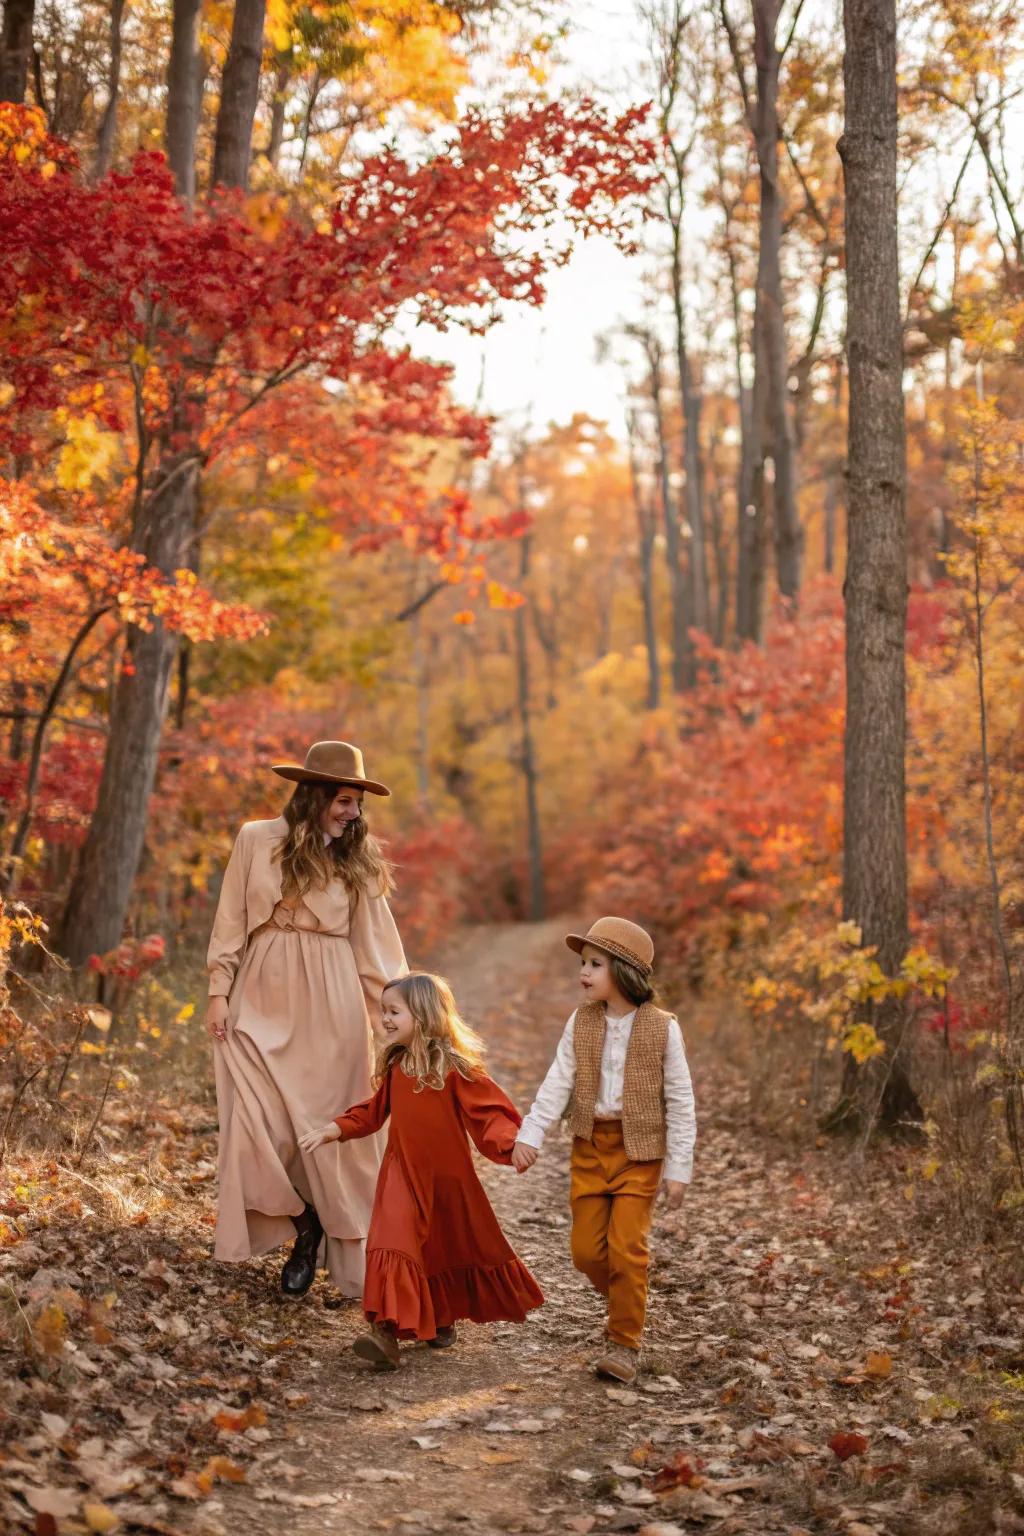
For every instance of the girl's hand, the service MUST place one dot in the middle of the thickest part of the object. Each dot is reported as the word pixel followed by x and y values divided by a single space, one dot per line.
pixel 314 1139
pixel 672 1192
pixel 217 1017
pixel 523 1156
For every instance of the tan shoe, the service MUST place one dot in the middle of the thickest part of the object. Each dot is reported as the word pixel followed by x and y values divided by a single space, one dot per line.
pixel 620 1363
pixel 444 1338
pixel 379 1346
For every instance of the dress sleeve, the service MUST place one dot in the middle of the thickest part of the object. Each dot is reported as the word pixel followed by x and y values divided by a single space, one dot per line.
pixel 377 948
pixel 489 1116
pixel 227 941
pixel 365 1118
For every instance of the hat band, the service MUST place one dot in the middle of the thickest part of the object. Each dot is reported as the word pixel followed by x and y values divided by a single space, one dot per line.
pixel 621 953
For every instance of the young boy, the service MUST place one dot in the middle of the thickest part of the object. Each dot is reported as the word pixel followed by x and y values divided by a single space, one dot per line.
pixel 621 1070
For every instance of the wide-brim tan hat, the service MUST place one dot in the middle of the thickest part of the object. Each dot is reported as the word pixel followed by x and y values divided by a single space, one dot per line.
pixel 619 937
pixel 332 762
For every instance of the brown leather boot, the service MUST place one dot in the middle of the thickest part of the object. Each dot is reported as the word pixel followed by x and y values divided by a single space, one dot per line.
pixel 444 1338
pixel 620 1363
pixel 379 1346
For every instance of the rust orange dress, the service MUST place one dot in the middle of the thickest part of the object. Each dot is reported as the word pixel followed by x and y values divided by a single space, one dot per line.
pixel 435 1252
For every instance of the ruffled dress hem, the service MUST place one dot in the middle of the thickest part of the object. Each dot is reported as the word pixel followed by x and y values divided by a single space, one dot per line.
pixel 399 1292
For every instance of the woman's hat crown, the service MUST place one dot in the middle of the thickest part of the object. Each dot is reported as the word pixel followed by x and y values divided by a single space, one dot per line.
pixel 332 762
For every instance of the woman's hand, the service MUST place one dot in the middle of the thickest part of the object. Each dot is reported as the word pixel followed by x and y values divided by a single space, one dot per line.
pixel 217 1017
pixel 314 1139
pixel 523 1156
pixel 672 1191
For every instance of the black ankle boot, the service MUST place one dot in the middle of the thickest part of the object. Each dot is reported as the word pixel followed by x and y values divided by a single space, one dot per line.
pixel 300 1269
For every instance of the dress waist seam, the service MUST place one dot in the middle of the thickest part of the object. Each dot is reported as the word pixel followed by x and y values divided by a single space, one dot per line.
pixel 316 933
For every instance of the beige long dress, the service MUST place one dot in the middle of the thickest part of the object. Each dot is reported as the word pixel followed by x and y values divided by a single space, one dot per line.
pixel 301 982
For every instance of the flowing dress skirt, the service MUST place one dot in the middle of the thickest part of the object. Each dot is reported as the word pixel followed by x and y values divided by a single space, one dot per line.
pixel 298 1045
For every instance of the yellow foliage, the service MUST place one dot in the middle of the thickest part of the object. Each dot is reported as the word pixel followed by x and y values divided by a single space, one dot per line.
pixel 862 1042
pixel 88 454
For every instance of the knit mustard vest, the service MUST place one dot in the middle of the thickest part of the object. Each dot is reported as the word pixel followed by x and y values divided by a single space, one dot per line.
pixel 643 1088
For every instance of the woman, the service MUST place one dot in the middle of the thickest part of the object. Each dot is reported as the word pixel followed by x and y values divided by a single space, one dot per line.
pixel 302 945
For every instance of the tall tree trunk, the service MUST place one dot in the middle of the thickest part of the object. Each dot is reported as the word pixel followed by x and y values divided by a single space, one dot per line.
pixel 772 397
pixel 16 48
pixel 874 822
pixel 682 648
pixel 833 477
pixel 693 469
pixel 239 95
pixel 98 900
pixel 184 93
pixel 753 508
pixel 421 669
pixel 714 504
pixel 278 108
pixel 645 526
pixel 108 123
pixel 750 531
pixel 527 756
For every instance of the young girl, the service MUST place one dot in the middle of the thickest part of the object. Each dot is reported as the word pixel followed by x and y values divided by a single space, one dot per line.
pixel 621 1063
pixel 435 1252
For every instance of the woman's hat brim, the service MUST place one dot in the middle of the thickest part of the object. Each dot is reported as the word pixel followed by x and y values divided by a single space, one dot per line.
pixel 300 775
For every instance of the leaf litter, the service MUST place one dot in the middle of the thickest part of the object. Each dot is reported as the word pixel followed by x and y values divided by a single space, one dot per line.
pixel 815 1362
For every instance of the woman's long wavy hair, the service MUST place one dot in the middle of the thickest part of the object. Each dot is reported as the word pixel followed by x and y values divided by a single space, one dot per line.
pixel 309 863
pixel 442 1042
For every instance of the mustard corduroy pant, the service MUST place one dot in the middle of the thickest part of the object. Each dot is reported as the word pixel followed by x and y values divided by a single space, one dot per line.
pixel 612 1202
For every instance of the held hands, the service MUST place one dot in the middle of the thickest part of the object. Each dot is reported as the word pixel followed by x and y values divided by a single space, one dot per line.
pixel 314 1139
pixel 217 1017
pixel 672 1192
pixel 523 1156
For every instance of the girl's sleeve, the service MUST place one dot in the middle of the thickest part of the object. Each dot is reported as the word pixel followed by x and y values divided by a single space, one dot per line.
pixel 377 948
pixel 365 1118
pixel 230 931
pixel 489 1116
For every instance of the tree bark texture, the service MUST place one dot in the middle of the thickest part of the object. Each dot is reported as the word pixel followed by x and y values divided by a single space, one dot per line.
pixel 108 123
pixel 645 527
pixel 874 821
pixel 98 900
pixel 833 479
pixel 693 469
pixel 771 356
pixel 239 95
pixel 16 48
pixel 184 90
pixel 683 669
pixel 527 757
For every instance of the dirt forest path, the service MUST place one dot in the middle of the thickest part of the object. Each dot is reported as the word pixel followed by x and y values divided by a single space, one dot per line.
pixel 782 1319
pixel 812 1364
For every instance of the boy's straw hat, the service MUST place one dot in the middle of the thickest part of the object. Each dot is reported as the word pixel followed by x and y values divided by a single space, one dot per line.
pixel 619 937
pixel 332 762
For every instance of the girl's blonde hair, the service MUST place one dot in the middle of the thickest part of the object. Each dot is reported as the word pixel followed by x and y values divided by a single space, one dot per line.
pixel 306 861
pixel 442 1041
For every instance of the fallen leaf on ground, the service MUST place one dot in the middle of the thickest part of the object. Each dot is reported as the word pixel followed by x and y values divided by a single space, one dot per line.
pixel 101 1518
pixel 681 1472
pixel 847 1443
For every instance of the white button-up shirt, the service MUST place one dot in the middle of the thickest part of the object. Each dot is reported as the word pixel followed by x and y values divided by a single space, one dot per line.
pixel 555 1091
